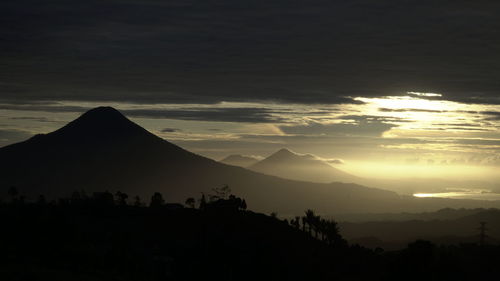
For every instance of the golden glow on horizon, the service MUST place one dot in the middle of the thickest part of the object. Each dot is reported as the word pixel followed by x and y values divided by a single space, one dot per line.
pixel 415 135
pixel 384 169
pixel 472 194
pixel 424 195
pixel 410 103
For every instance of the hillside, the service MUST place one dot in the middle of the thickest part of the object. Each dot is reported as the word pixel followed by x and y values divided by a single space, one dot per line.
pixel 82 240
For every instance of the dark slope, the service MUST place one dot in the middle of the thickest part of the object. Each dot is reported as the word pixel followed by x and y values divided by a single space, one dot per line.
pixel 287 164
pixel 90 243
pixel 103 150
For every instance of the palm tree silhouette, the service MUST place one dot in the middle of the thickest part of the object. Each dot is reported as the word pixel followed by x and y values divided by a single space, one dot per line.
pixel 322 228
pixel 203 202
pixel 316 223
pixel 332 232
pixel 310 219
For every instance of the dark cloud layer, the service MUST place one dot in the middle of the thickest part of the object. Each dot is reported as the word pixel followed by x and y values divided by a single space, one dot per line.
pixel 243 115
pixel 170 130
pixel 373 128
pixel 493 115
pixel 205 51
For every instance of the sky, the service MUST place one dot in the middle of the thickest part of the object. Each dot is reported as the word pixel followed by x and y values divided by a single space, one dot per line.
pixel 382 86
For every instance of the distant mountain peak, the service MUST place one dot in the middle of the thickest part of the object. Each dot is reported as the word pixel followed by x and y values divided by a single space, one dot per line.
pixel 103 111
pixel 284 152
pixel 101 123
pixel 288 164
pixel 99 115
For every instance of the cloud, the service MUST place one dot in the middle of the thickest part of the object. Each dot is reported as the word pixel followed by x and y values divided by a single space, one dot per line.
pixel 190 112
pixel 170 130
pixel 494 115
pixel 479 142
pixel 41 106
pixel 28 118
pixel 372 118
pixel 360 129
pixel 242 115
pixel 11 136
pixel 409 110
pixel 324 52
pixel 359 125
pixel 335 161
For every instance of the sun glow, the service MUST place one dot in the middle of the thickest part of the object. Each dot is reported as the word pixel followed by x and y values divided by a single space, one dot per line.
pixel 410 103
pixel 477 195
pixel 424 195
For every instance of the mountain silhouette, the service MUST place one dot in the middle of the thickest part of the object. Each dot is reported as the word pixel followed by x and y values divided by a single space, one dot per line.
pixel 103 150
pixel 306 167
pixel 239 160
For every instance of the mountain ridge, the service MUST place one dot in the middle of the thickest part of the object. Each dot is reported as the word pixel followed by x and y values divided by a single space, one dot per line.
pixel 94 154
pixel 306 167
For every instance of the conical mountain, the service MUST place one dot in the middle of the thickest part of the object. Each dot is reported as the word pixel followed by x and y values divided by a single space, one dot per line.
pixel 102 122
pixel 103 150
pixel 306 167
pixel 100 150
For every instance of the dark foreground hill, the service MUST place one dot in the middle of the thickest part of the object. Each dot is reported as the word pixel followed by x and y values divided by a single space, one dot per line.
pixel 103 150
pixel 96 242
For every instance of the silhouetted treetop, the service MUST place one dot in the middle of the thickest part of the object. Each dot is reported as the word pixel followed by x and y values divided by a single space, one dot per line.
pixel 156 200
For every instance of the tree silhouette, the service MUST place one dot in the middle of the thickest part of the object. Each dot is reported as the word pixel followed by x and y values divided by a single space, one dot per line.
pixel 156 200
pixel 310 219
pixel 322 225
pixel 13 193
pixel 243 204
pixel 203 202
pixel 121 198
pixel 295 222
pixel 220 193
pixel 103 199
pixel 76 198
pixel 190 202
pixel 332 232
pixel 137 201
pixel 41 200
pixel 315 223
